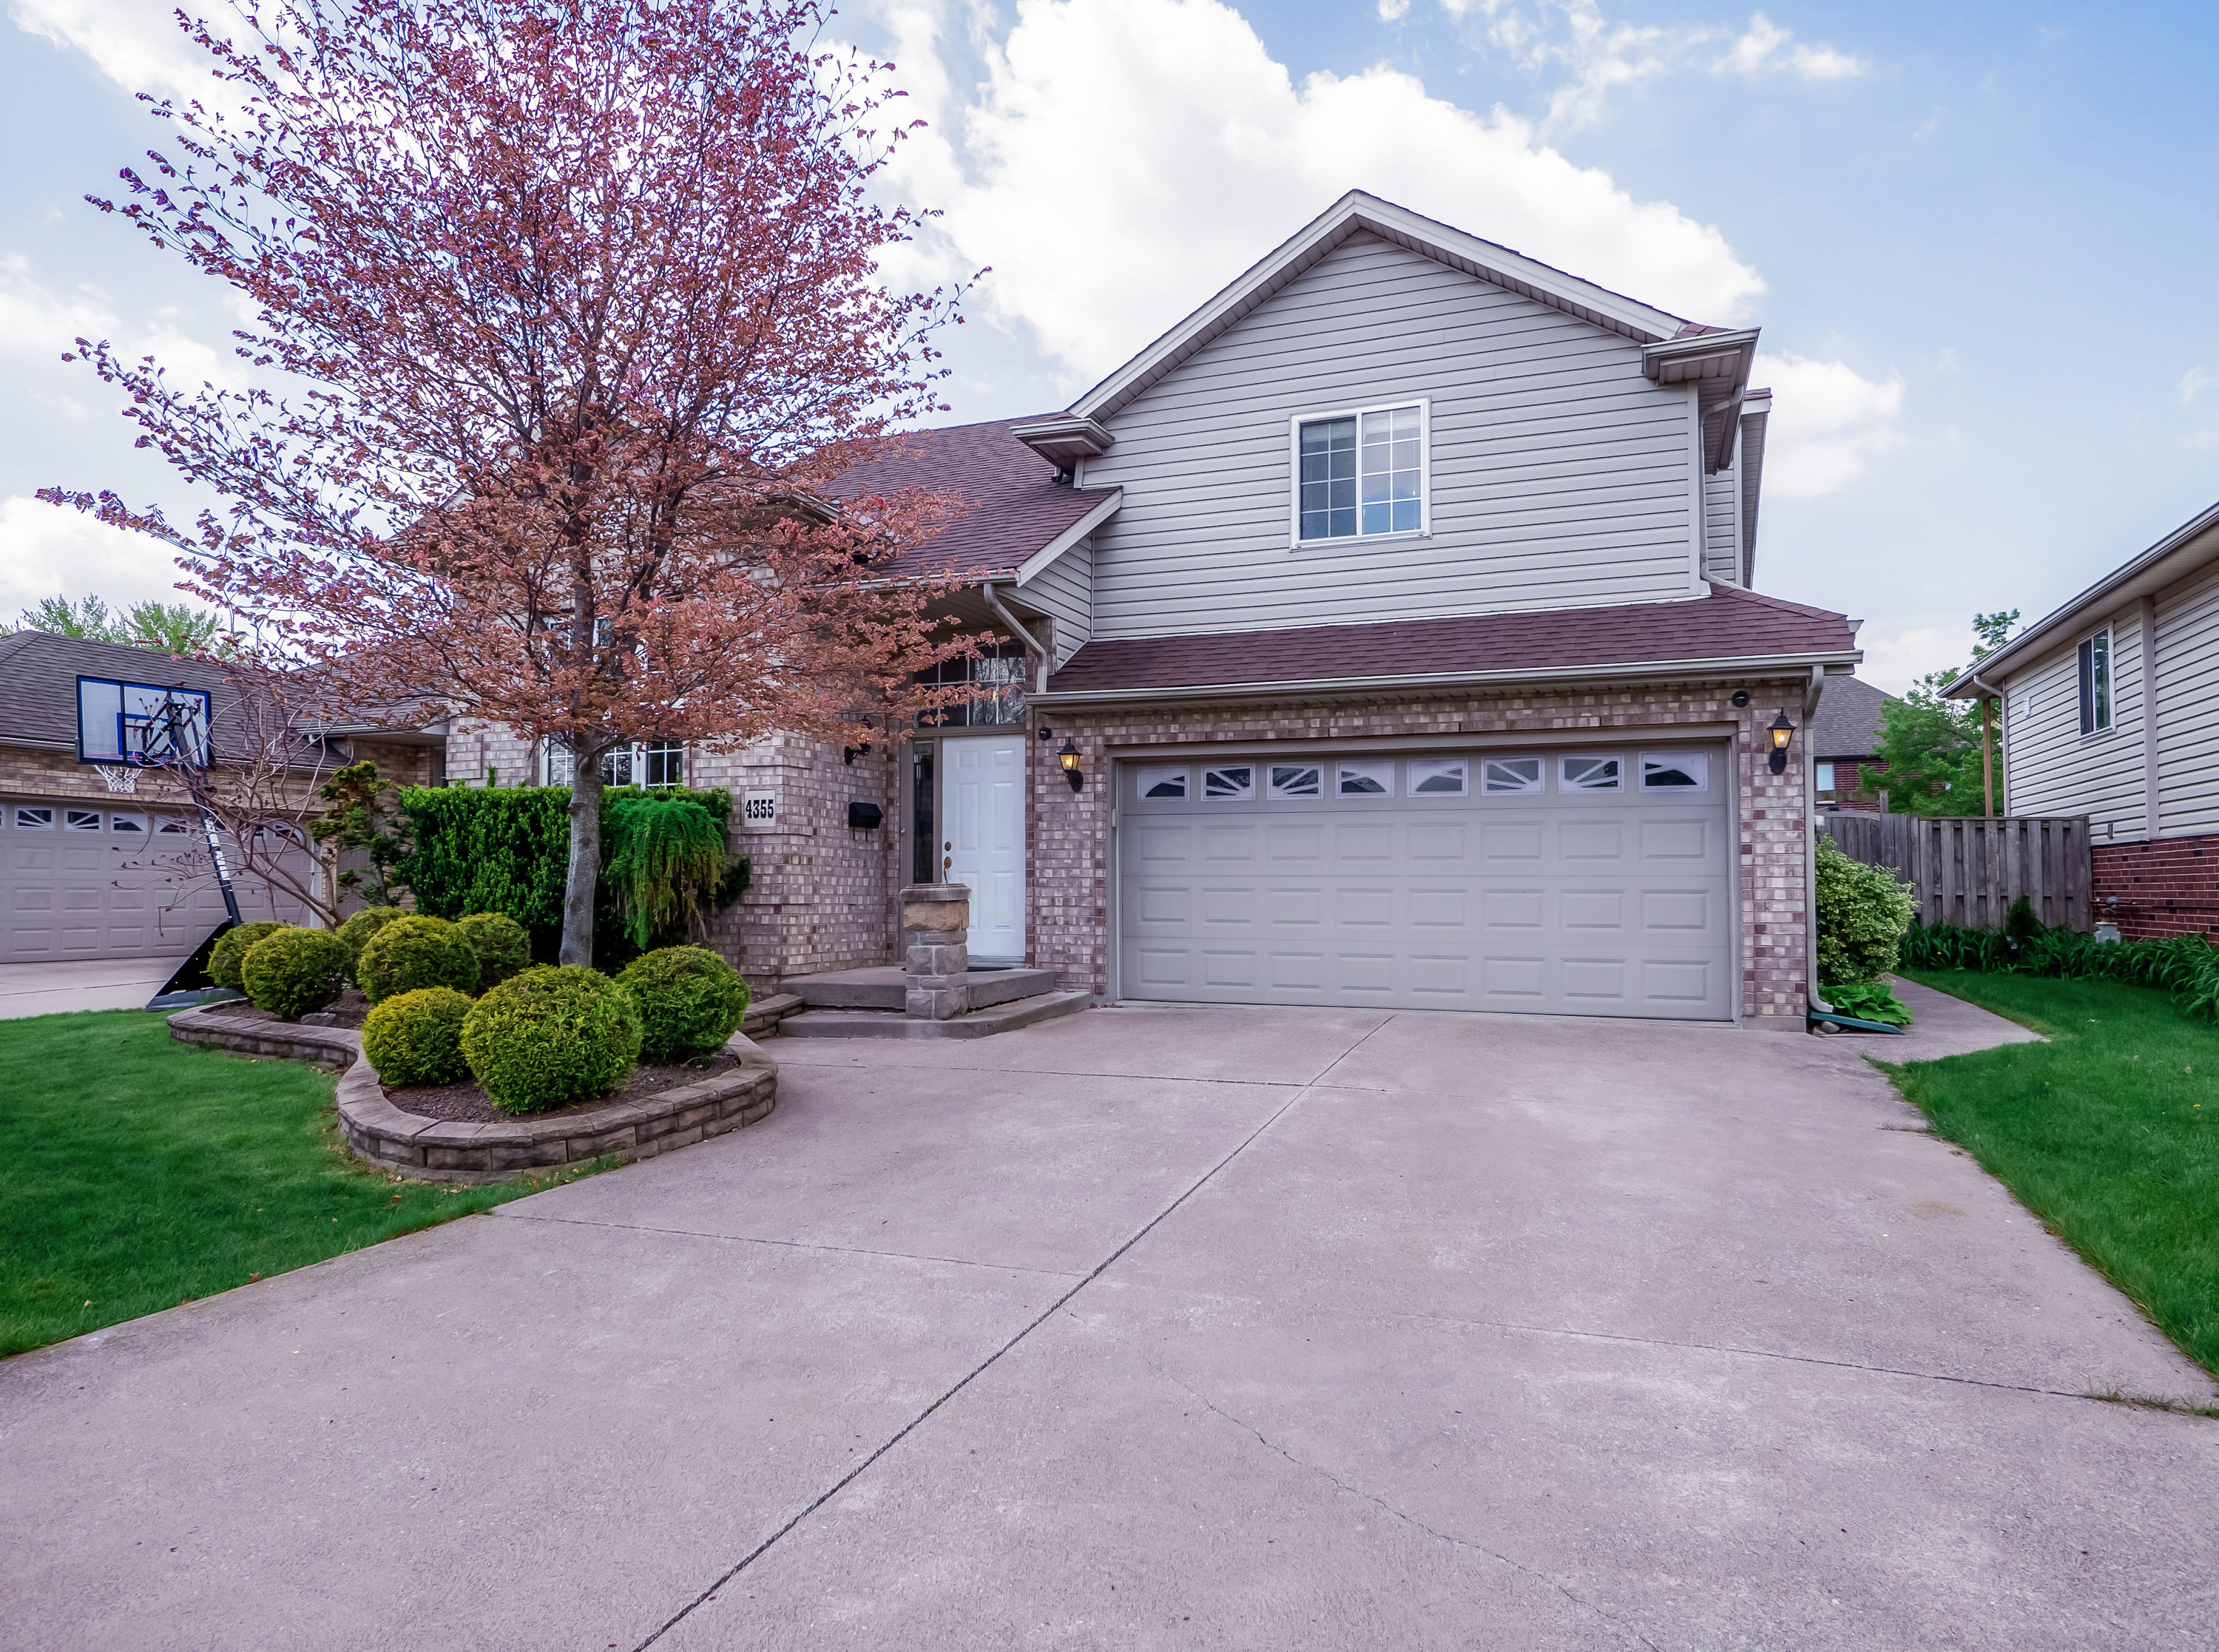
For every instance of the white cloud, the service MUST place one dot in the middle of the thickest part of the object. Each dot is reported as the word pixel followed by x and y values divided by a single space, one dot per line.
pixel 1124 159
pixel 2191 381
pixel 47 550
pixel 1828 420
pixel 1897 653
pixel 135 43
pixel 1766 48
pixel 1393 11
pixel 37 322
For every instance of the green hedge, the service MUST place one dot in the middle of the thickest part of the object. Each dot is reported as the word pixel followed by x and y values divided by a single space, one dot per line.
pixel 2186 965
pixel 507 849
pixel 503 946
pixel 1862 913
pixel 416 1038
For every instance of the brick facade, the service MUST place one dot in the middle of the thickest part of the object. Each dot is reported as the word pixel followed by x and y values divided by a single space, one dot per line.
pixel 1068 872
pixel 2170 887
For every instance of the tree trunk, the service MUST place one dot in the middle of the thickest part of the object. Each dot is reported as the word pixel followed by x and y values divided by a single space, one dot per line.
pixel 585 874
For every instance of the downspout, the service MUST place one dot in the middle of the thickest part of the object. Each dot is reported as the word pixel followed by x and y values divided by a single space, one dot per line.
pixel 1038 654
pixel 1811 693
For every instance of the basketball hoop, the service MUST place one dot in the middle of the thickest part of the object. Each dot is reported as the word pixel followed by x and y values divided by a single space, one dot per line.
pixel 119 780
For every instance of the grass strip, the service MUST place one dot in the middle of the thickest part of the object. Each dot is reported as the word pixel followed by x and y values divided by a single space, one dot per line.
pixel 137 1173
pixel 2109 1133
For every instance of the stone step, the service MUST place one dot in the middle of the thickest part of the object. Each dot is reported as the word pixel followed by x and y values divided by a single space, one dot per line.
pixel 886 987
pixel 980 1023
pixel 765 1014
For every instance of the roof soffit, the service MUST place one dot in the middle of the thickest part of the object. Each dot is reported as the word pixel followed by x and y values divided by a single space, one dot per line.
pixel 1354 213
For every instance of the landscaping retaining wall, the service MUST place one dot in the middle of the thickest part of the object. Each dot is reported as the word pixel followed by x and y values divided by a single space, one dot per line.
pixel 433 1149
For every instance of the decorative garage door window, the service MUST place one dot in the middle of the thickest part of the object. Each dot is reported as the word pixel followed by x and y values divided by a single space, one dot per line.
pixel 1162 782
pixel 1372 779
pixel 172 826
pixel 1663 772
pixel 1297 780
pixel 1591 774
pixel 1439 777
pixel 123 822
pixel 1237 782
pixel 81 820
pixel 1511 775
pixel 34 820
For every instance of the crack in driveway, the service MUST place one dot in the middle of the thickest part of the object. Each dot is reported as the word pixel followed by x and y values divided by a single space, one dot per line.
pixel 1047 1313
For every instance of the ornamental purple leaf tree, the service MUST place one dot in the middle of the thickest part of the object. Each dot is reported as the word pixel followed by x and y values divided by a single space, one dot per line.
pixel 567 325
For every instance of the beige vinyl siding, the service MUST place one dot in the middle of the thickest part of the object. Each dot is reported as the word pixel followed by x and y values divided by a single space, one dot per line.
pixel 1558 474
pixel 1064 591
pixel 2052 768
pixel 1722 527
pixel 2187 695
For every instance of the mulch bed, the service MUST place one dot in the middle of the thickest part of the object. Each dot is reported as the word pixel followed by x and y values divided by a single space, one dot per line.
pixel 465 1103
pixel 350 1010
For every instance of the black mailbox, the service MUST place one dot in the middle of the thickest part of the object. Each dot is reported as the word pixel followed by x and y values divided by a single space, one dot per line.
pixel 863 817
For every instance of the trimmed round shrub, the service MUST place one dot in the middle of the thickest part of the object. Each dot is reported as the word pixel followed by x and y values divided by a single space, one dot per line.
pixel 503 946
pixel 550 1036
pixel 690 1001
pixel 231 952
pixel 291 971
pixel 415 952
pixel 1862 912
pixel 416 1038
pixel 358 930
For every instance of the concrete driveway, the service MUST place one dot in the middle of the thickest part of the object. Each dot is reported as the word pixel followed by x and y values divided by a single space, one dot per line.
pixel 81 983
pixel 1165 1328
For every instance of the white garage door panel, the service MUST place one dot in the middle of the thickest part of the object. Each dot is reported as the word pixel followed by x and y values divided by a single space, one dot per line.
pixel 1581 904
pixel 77 881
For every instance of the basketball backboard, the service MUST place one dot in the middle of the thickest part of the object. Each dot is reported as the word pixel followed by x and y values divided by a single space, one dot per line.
pixel 140 724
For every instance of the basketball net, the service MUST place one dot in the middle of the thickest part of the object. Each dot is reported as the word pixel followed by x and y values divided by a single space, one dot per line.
pixel 118 780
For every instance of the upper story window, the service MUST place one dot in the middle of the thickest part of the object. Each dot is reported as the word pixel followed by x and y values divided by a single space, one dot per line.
pixel 2096 683
pixel 1360 473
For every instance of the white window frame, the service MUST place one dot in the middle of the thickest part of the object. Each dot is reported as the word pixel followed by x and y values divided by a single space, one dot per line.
pixel 81 820
pixel 1379 770
pixel 2098 707
pixel 23 815
pixel 1148 775
pixel 1512 784
pixel 1567 786
pixel 1685 762
pixel 1413 786
pixel 1247 794
pixel 550 749
pixel 1425 528
pixel 1296 770
pixel 1825 778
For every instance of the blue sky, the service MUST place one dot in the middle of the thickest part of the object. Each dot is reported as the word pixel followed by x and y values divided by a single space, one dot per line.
pixel 1982 243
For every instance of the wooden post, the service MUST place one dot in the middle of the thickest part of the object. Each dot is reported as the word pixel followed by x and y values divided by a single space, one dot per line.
pixel 1988 753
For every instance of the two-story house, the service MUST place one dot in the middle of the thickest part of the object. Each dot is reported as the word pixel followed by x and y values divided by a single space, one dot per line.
pixel 1381 634
pixel 2108 712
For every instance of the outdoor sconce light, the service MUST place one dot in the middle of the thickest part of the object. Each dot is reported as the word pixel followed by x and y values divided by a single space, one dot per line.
pixel 1781 731
pixel 849 754
pixel 1069 758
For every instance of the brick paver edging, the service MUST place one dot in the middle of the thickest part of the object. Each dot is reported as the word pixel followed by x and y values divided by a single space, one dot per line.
pixel 431 1150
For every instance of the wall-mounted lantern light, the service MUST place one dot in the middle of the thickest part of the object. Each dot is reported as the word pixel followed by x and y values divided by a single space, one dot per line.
pixel 1782 731
pixel 849 754
pixel 1069 758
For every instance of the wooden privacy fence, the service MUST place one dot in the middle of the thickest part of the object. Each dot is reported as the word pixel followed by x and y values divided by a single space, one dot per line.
pixel 1970 871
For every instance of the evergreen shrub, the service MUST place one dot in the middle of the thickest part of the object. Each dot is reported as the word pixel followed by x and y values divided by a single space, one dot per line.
pixel 415 952
pixel 503 946
pixel 230 953
pixel 1863 914
pixel 551 1036
pixel 356 930
pixel 291 971
pixel 416 1038
pixel 690 1001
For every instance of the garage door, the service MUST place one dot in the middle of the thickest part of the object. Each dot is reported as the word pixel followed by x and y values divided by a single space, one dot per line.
pixel 1575 882
pixel 81 881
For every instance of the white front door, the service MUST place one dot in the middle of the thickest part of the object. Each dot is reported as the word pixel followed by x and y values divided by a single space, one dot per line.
pixel 982 835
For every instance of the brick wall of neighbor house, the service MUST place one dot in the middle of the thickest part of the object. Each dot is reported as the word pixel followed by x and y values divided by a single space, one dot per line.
pixel 2170 887
pixel 1851 773
pixel 1069 840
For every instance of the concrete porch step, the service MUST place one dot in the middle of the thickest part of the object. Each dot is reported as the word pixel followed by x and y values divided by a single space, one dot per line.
pixel 886 987
pixel 765 1014
pixel 980 1023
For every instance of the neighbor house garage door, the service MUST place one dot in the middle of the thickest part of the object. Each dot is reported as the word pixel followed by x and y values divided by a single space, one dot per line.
pixel 83 880
pixel 1594 881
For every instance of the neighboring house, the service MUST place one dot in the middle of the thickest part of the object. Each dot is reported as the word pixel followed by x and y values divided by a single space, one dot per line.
pixel 88 872
pixel 1396 609
pixel 2110 710
pixel 1843 736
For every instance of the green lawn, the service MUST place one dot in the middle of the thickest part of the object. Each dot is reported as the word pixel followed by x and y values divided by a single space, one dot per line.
pixel 137 1173
pixel 2109 1132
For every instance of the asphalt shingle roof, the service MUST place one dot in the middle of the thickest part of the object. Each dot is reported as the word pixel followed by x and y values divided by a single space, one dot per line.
pixel 1847 720
pixel 1730 624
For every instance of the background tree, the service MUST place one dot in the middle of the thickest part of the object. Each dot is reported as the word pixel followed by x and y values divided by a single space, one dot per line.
pixel 574 309
pixel 173 627
pixel 1931 745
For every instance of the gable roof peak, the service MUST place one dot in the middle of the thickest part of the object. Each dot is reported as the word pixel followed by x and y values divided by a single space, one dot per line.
pixel 1359 212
